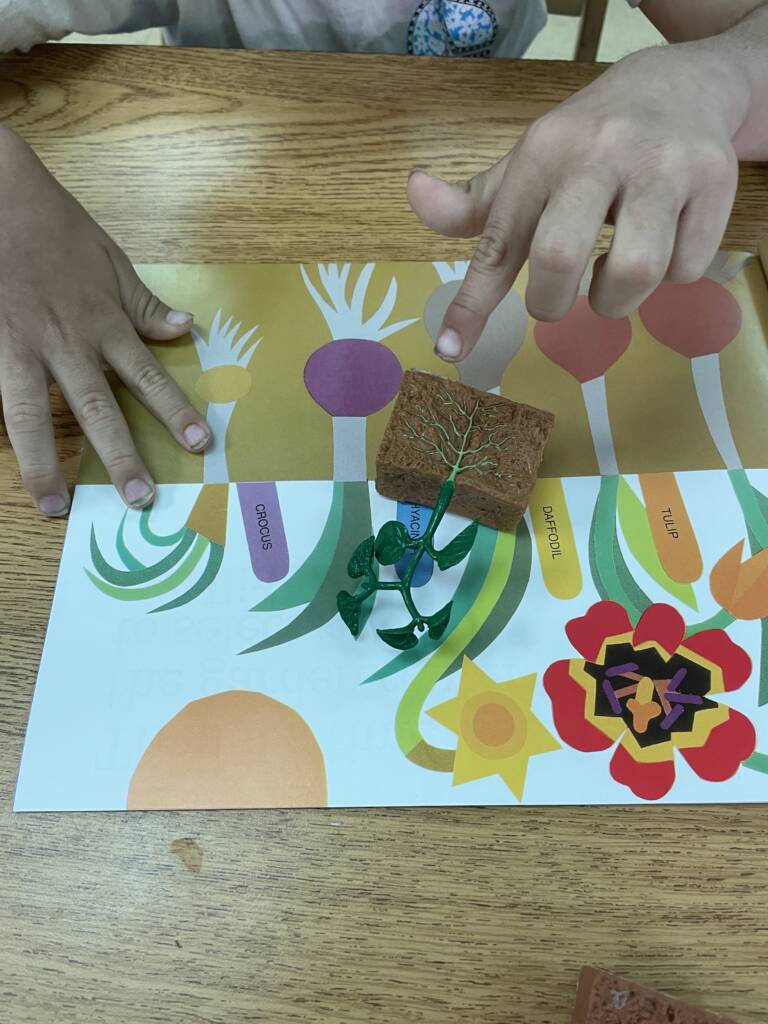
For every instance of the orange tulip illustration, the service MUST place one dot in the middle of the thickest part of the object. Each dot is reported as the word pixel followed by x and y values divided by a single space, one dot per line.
pixel 741 588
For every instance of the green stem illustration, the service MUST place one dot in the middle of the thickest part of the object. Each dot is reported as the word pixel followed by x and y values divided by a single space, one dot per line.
pixel 757 763
pixel 720 620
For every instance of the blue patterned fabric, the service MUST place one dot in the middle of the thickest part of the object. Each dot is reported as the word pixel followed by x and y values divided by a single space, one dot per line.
pixel 452 28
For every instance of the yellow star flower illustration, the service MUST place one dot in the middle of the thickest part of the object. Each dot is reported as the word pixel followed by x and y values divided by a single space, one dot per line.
pixel 497 729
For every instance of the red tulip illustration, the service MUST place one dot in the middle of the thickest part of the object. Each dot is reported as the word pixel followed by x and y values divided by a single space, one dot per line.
pixel 698 321
pixel 587 346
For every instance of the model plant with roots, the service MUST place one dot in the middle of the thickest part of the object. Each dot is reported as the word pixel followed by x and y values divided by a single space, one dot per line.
pixel 455 433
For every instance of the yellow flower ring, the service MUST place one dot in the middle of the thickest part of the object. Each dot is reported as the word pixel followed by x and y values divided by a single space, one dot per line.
pixel 494 726
pixel 498 731
pixel 650 691
pixel 224 384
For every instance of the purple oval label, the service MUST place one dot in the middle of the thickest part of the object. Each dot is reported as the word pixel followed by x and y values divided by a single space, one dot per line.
pixel 264 530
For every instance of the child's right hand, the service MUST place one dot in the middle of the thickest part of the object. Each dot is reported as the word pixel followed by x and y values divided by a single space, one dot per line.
pixel 71 306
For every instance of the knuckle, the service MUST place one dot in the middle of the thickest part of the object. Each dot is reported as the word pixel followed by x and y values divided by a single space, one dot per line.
pixel 467 303
pixel 543 134
pixel 605 303
pixel 609 311
pixel 610 133
pixel 145 303
pixel 556 255
pixel 491 251
pixel 672 161
pixel 542 315
pixel 714 165
pixel 23 416
pixel 95 409
pixel 103 309
pixel 639 271
pixel 547 313
pixel 686 271
pixel 38 478
pixel 150 380
pixel 121 462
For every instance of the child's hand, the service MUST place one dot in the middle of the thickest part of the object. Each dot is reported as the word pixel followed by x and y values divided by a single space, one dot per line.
pixel 71 305
pixel 646 146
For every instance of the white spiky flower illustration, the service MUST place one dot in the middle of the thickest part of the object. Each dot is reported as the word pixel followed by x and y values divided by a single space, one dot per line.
pixel 500 341
pixel 344 317
pixel 224 357
pixel 353 376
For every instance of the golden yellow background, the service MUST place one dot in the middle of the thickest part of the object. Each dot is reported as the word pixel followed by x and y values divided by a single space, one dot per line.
pixel 279 433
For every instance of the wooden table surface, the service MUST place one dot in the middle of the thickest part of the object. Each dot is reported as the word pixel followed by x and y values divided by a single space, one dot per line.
pixel 389 916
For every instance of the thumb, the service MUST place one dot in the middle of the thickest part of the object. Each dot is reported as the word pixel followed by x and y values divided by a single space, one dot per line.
pixel 151 317
pixel 459 210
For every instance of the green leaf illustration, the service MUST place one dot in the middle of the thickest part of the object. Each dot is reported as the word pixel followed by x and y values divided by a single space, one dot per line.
pixel 361 559
pixel 402 639
pixel 438 622
pixel 391 543
pixel 613 580
pixel 633 518
pixel 458 549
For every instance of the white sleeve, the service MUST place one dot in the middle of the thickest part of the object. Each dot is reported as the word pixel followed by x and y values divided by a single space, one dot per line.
pixel 634 3
pixel 24 23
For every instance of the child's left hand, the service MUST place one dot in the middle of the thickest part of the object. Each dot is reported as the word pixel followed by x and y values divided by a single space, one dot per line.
pixel 648 146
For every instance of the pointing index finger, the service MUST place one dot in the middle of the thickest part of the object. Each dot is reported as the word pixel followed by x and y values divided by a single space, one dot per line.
pixel 497 260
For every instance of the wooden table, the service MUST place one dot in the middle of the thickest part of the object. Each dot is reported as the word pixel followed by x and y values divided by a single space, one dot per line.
pixel 388 916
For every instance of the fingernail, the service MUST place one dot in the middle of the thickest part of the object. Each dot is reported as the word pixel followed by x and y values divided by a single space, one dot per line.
pixel 195 436
pixel 177 319
pixel 137 492
pixel 53 505
pixel 416 170
pixel 448 344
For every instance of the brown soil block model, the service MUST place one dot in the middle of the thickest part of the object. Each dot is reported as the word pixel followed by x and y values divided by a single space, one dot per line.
pixel 605 998
pixel 498 443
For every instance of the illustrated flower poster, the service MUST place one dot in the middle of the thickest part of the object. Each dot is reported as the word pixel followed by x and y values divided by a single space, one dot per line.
pixel 614 649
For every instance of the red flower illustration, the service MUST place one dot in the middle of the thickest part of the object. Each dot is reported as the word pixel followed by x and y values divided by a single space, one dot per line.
pixel 582 343
pixel 651 689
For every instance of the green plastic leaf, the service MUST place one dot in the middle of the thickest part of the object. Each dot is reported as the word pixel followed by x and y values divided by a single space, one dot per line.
pixel 633 518
pixel 473 576
pixel 391 543
pixel 458 549
pixel 349 609
pixel 402 639
pixel 361 559
pixel 438 622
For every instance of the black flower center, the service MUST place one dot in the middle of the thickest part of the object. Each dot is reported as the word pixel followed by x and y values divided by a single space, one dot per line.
pixel 653 695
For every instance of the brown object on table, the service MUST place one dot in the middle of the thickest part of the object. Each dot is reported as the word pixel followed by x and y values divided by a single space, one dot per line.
pixel 439 423
pixel 605 998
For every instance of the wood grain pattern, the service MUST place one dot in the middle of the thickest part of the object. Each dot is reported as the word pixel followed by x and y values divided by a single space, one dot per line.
pixel 379 917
